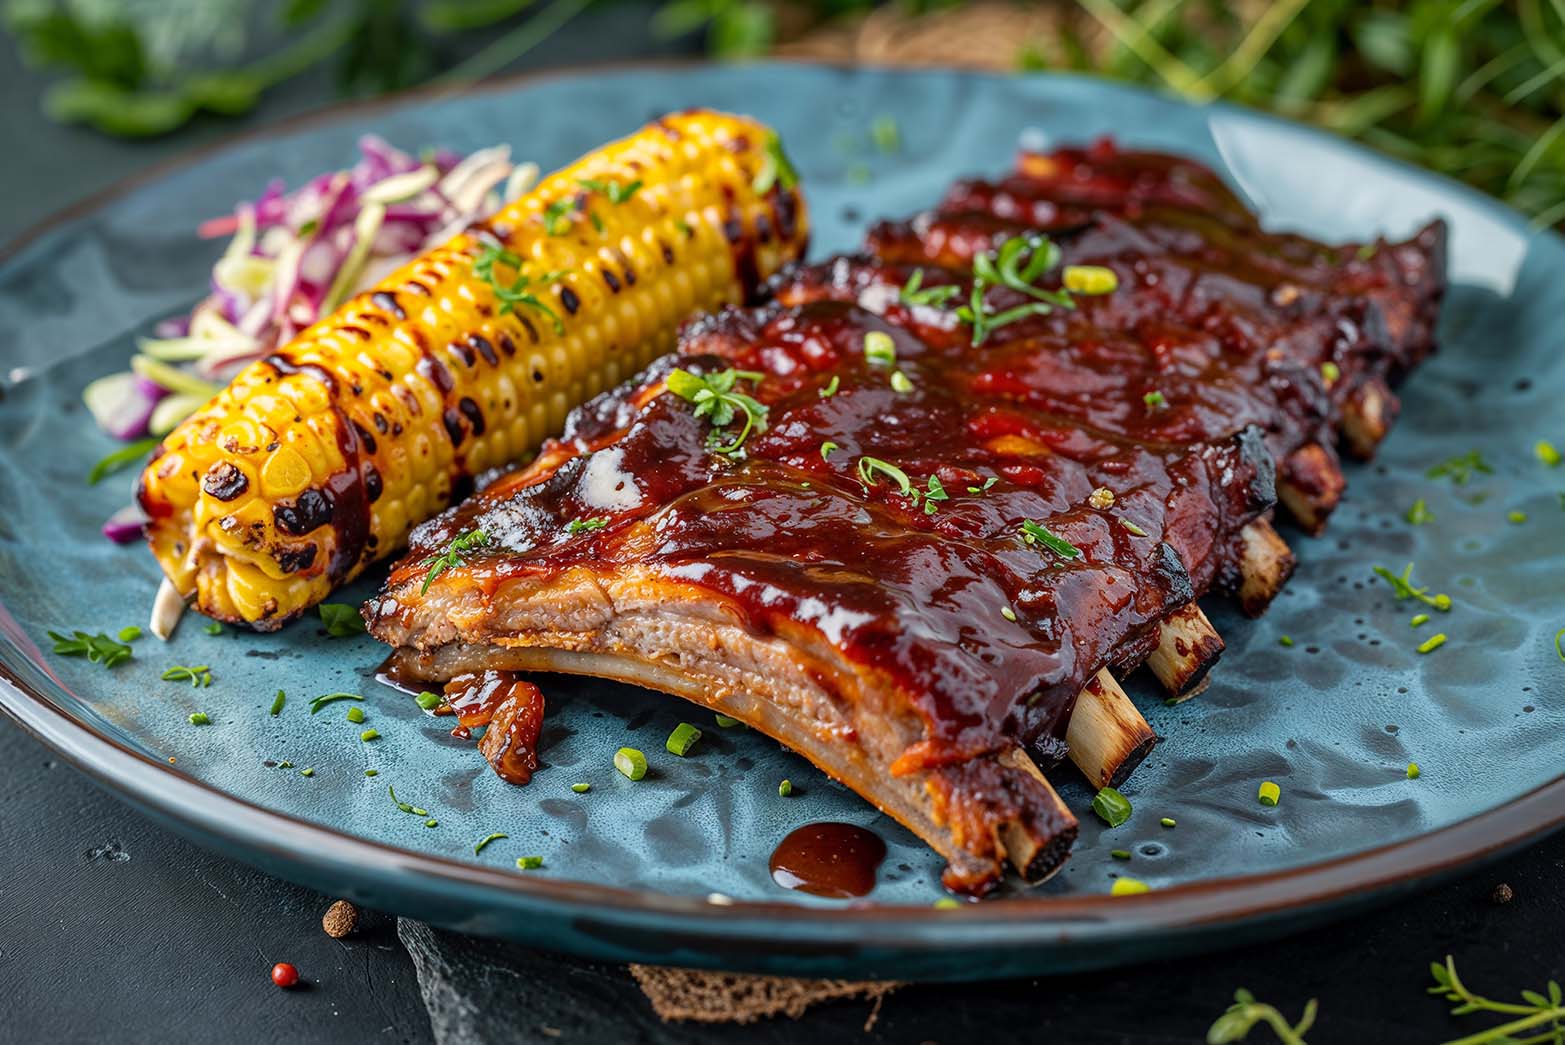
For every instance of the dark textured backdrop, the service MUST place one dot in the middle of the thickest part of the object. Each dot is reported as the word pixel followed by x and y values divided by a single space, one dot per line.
pixel 113 928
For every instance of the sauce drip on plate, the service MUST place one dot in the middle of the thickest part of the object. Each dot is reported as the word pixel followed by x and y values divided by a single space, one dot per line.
pixel 828 859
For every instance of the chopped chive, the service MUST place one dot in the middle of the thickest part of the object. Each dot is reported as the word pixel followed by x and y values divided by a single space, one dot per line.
pixel 1547 453
pixel 1037 533
pixel 1008 613
pixel 1132 528
pixel 306 772
pixel 130 633
pixel 278 702
pixel 885 134
pixel 581 789
pixel 1403 588
pixel 724 722
pixel 1419 513
pixel 1112 807
pixel 879 348
pixel 900 383
pixel 431 822
pixel 1461 468
pixel 1155 400
pixel 831 387
pixel 369 734
pixel 946 903
pixel 682 739
pixel 1330 373
pixel 486 840
pixel 355 714
pixel 1120 854
pixel 1413 772
pixel 428 701
pixel 1559 643
pixel 405 807
pixel 1432 643
pixel 1516 517
pixel 199 718
pixel 1270 794
pixel 1285 640
pixel 785 789
pixel 285 765
pixel 826 448
pixel 630 762
pixel 1168 821
pixel 372 772
pixel 576 526
pixel 1127 886
pixel 331 698
pixel 213 628
pixel 198 675
pixel 529 863
pixel 1419 619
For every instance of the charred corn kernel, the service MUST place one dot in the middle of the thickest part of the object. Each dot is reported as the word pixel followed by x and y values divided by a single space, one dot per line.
pixel 320 458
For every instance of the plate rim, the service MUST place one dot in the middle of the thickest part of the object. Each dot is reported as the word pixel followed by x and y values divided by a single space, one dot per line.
pixel 1067 921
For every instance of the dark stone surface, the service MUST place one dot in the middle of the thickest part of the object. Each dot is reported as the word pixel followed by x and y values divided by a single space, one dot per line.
pixel 113 928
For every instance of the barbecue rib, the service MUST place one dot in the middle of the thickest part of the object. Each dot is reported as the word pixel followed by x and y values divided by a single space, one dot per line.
pixel 922 553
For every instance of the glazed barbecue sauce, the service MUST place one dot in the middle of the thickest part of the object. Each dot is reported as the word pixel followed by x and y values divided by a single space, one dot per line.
pixel 828 859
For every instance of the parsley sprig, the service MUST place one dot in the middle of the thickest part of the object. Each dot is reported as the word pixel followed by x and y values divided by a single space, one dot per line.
pixel 1544 1009
pixel 99 648
pixel 1403 588
pixel 522 289
pixel 1241 1017
pixel 455 554
pixel 715 399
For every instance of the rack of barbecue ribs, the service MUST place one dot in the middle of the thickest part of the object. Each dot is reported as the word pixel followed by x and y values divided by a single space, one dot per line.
pixel 912 514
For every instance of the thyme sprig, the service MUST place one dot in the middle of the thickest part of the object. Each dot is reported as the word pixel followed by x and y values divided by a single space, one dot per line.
pixel 715 399
pixel 1241 1017
pixel 1538 1009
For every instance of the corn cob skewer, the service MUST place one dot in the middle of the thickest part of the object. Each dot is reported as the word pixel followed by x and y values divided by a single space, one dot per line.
pixel 319 459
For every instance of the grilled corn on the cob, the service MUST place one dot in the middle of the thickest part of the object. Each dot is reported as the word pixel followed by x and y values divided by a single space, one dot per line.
pixel 318 459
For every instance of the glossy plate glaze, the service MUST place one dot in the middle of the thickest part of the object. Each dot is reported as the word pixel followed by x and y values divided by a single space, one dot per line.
pixel 630 868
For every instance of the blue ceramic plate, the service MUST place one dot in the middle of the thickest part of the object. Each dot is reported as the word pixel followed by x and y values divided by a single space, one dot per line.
pixel 629 868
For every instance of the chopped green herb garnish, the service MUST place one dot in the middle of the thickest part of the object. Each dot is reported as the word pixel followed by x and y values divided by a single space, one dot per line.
pixel 427 700
pixel 1559 643
pixel 1016 265
pixel 331 698
pixel 1240 1018
pixel 130 633
pixel 630 762
pixel 99 648
pixel 1516 517
pixel 615 191
pixel 1125 885
pixel 785 789
pixel 307 772
pixel 1432 643
pixel 1092 280
pixel 725 722
pixel 455 554
pixel 1547 453
pixel 1269 794
pixel 576 526
pixel 947 903
pixel 198 675
pixel 479 847
pixel 1420 514
pixel 431 822
pixel 1037 533
pixel 1413 772
pixel 1120 854
pixel 529 863
pixel 199 718
pixel 1112 807
pixel 826 448
pixel 715 399
pixel 127 455
pixel 776 169
pixel 934 492
pixel 341 619
pixel 581 789
pixel 521 290
pixel 869 467
pixel 831 387
pixel 1460 469
pixel 597 222
pixel 1132 528
pixel 1330 373
pixel 977 314
pixel 369 734
pixel 355 714
pixel 1169 821
pixel 682 739
pixel 406 807
pixel 556 217
pixel 1286 640
pixel 979 491
pixel 1419 619
pixel 285 765
pixel 372 772
pixel 885 134
pixel 1155 400
pixel 278 702
pixel 1008 613
pixel 213 628
pixel 1402 587
pixel 915 293
pixel 879 348
pixel 900 383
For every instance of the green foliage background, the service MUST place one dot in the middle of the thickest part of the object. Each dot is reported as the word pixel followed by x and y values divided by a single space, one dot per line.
pixel 1471 88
